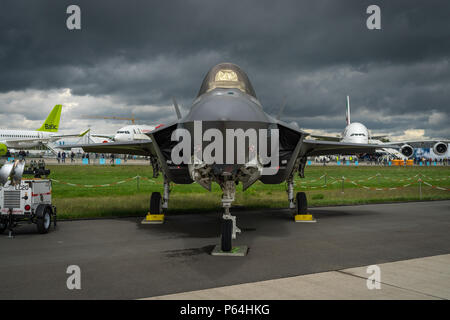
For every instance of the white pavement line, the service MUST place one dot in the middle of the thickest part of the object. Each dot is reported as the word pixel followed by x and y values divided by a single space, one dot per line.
pixel 422 278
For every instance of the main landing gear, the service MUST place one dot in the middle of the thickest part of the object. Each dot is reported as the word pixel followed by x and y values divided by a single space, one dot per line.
pixel 158 205
pixel 300 210
pixel 299 205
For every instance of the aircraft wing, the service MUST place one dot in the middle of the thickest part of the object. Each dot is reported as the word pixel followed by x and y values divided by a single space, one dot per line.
pixel 318 148
pixel 107 136
pixel 137 147
pixel 414 143
pixel 326 138
pixel 17 143
pixel 69 135
pixel 378 137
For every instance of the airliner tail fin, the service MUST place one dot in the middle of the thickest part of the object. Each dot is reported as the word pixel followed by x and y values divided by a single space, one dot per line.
pixel 51 124
pixel 347 116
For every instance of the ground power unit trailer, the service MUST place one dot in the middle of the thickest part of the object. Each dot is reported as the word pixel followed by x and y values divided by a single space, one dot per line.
pixel 28 200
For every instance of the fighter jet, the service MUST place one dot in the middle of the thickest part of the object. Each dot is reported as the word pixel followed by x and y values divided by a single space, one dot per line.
pixel 227 138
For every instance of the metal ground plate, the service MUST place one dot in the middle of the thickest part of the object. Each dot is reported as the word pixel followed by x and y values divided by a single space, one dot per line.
pixel 238 251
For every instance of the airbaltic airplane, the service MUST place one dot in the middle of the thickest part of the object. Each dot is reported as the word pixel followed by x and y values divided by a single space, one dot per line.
pixel 23 139
pixel 358 133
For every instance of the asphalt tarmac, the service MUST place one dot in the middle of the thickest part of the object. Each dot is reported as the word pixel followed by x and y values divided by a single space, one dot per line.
pixel 122 259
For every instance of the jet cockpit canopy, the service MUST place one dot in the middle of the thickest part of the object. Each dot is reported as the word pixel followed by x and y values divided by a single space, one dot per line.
pixel 227 76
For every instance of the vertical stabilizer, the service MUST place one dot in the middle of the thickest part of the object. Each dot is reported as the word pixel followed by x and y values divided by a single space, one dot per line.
pixel 347 115
pixel 51 124
pixel 177 108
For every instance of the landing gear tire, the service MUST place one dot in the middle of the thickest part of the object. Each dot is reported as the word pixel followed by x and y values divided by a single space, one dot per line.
pixel 227 230
pixel 156 203
pixel 301 205
pixel 44 220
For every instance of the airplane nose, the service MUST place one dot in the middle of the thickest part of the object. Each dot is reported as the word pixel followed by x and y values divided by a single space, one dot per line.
pixel 120 137
pixel 236 107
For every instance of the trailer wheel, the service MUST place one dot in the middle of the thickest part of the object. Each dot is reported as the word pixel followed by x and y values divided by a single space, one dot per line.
pixel 54 216
pixel 44 218
pixel 156 203
pixel 3 226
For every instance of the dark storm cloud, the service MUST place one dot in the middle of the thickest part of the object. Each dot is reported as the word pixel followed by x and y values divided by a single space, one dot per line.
pixel 313 53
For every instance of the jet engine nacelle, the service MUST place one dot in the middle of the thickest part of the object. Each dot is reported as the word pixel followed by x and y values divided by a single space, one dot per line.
pixel 440 148
pixel 3 149
pixel 407 150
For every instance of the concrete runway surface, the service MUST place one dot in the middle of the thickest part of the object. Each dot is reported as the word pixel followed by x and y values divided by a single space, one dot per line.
pixel 122 259
pixel 415 279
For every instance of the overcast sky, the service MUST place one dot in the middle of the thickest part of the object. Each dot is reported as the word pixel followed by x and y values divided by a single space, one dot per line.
pixel 130 57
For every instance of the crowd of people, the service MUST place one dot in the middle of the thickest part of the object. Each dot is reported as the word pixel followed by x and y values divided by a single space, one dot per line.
pixel 378 160
pixel 61 157
pixel 372 159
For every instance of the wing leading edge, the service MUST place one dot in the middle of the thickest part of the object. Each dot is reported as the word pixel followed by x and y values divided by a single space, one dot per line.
pixel 319 148
pixel 139 147
pixel 414 143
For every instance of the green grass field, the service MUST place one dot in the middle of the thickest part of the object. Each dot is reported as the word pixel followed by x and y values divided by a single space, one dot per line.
pixel 129 198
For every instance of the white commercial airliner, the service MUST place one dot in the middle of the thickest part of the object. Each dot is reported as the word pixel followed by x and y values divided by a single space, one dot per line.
pixel 130 133
pixel 23 139
pixel 358 133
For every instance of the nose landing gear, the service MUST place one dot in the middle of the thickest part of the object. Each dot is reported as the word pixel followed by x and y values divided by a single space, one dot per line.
pixel 229 228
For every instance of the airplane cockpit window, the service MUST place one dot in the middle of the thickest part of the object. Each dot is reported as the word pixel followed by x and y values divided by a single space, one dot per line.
pixel 226 76
pixel 357 134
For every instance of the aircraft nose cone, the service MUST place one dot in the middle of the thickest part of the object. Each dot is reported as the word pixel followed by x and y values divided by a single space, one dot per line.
pixel 226 108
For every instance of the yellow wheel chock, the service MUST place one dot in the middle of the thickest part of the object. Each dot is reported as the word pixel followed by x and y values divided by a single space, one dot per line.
pixel 153 219
pixel 304 218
